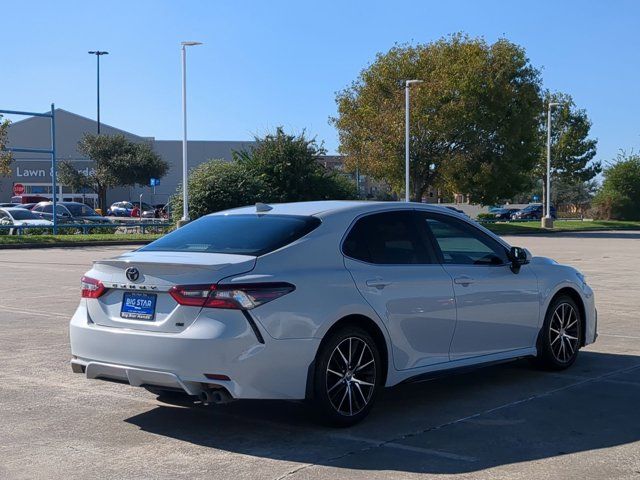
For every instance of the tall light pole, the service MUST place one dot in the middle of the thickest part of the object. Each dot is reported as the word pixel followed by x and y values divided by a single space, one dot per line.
pixel 98 54
pixel 185 166
pixel 407 85
pixel 547 221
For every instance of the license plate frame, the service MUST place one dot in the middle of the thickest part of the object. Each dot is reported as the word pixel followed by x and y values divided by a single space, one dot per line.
pixel 138 306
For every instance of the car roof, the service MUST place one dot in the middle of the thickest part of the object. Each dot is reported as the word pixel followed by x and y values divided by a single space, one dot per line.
pixel 328 207
pixel 14 209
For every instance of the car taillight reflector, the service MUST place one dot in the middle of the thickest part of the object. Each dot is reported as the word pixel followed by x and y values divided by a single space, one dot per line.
pixel 235 297
pixel 91 288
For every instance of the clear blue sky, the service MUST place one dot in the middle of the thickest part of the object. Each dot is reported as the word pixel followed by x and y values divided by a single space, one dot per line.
pixel 270 63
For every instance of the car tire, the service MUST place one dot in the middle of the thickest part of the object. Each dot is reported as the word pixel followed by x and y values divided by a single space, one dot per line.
pixel 347 377
pixel 561 336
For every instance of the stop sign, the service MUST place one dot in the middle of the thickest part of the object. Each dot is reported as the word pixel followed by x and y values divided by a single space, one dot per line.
pixel 18 189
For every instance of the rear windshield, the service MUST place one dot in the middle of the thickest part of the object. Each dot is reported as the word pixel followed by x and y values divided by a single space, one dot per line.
pixel 236 234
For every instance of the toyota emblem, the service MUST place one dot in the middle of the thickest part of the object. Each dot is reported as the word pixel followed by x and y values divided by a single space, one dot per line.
pixel 132 273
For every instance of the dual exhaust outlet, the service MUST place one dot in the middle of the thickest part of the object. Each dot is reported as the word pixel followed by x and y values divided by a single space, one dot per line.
pixel 218 396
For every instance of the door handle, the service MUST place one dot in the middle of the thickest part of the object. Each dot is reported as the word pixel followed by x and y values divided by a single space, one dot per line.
pixel 463 280
pixel 377 283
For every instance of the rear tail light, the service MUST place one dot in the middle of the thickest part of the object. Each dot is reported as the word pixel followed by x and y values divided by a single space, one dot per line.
pixel 235 297
pixel 91 288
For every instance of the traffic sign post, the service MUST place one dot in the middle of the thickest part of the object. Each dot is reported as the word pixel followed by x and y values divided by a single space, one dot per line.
pixel 153 182
pixel 18 189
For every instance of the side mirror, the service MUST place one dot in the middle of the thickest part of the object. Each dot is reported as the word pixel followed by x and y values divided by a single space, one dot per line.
pixel 519 256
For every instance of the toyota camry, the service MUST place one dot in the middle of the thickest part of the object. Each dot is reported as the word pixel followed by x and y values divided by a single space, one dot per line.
pixel 323 301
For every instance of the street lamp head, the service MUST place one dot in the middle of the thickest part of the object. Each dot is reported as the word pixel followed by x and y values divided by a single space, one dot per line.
pixel 411 82
pixel 98 52
pixel 190 44
pixel 555 104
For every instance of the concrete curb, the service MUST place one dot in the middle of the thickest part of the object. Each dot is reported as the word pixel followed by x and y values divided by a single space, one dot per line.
pixel 117 243
pixel 560 232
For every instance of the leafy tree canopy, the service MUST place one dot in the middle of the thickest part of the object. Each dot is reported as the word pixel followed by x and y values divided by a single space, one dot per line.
pixel 288 165
pixel 117 162
pixel 619 197
pixel 474 120
pixel 5 157
pixel 572 151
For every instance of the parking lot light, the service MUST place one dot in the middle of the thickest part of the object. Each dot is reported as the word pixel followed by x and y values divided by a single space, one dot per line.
pixel 547 221
pixel 407 85
pixel 185 168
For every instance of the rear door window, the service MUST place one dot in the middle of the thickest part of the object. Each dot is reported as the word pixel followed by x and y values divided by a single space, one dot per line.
pixel 236 234
pixel 387 238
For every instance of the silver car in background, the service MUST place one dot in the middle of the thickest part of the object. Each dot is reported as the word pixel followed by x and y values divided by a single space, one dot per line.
pixel 324 301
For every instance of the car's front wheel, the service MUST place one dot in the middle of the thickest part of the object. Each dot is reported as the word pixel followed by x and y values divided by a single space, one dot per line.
pixel 561 334
pixel 348 376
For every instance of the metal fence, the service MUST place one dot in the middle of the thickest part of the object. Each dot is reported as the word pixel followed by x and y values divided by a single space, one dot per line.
pixel 123 228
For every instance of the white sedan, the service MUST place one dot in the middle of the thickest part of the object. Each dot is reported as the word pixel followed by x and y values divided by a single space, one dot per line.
pixel 324 301
pixel 20 217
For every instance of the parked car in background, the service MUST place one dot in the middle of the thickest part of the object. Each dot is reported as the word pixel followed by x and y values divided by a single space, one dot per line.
pixel 27 206
pixel 324 301
pixel 125 209
pixel 504 213
pixel 533 211
pixel 8 205
pixel 18 217
pixel 457 210
pixel 44 210
pixel 29 198
pixel 80 211
pixel 120 209
pixel 148 211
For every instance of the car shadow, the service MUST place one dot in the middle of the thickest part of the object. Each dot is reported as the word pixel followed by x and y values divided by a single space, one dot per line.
pixel 493 416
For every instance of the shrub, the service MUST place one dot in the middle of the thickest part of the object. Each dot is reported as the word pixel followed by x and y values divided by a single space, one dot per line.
pixel 619 197
pixel 218 185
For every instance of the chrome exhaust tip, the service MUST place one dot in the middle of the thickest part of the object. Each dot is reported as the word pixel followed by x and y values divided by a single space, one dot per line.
pixel 218 396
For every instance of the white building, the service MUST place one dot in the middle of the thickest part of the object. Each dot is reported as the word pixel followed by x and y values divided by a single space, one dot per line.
pixel 33 171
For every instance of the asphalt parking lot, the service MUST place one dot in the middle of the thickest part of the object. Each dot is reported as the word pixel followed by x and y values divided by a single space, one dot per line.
pixel 507 421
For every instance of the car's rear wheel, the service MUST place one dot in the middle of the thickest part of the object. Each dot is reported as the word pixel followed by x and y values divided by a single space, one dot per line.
pixel 347 378
pixel 560 338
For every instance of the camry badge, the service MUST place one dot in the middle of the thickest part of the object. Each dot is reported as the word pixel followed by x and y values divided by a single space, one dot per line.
pixel 132 273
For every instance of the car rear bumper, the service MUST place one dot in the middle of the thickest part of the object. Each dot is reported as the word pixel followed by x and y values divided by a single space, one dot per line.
pixel 219 342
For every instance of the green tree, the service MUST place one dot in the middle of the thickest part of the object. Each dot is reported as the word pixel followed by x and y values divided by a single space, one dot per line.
pixel 572 151
pixel 5 157
pixel 218 185
pixel 117 162
pixel 619 197
pixel 473 120
pixel 288 165
pixel 575 195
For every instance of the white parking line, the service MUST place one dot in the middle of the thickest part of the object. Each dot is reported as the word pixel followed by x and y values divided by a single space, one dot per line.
pixel 400 446
pixel 461 420
pixel 633 337
pixel 38 314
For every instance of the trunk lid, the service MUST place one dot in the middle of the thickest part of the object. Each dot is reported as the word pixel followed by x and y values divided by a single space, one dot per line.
pixel 157 273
